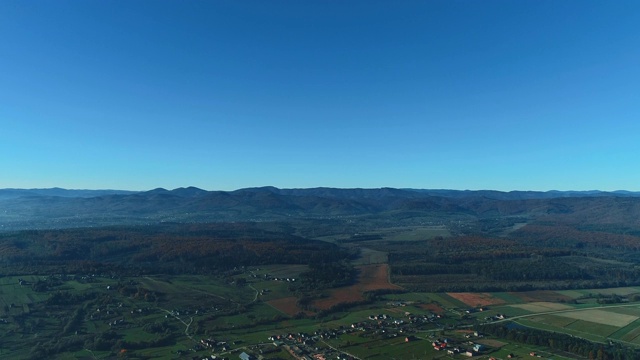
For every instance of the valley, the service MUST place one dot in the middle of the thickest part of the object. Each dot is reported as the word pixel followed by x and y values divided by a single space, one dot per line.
pixel 417 283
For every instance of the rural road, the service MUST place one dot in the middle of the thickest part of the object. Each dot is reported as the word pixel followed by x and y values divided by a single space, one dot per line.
pixel 186 330
pixel 255 298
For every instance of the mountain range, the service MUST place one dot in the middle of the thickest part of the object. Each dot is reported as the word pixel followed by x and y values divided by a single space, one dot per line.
pixel 62 208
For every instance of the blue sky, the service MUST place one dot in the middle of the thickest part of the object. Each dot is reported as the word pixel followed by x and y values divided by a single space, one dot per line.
pixel 505 95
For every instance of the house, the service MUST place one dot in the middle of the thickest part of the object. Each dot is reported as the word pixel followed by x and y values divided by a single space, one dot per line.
pixel 245 356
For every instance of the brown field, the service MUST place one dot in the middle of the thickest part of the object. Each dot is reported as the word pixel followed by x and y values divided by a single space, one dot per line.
pixel 491 343
pixel 288 305
pixel 433 307
pixel 477 299
pixel 540 295
pixel 540 307
pixel 371 277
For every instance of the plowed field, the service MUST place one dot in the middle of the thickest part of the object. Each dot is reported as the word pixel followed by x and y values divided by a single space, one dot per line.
pixel 477 299
pixel 371 277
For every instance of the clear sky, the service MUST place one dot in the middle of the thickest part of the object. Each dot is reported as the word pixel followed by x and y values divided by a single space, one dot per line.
pixel 504 95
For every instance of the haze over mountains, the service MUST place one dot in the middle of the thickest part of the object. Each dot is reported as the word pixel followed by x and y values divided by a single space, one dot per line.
pixel 61 208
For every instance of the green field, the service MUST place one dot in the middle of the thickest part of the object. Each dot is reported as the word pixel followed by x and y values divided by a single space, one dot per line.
pixel 11 292
pixel 522 351
pixel 191 288
pixel 621 291
pixel 509 298
pixel 553 320
pixel 600 332
pixel 446 301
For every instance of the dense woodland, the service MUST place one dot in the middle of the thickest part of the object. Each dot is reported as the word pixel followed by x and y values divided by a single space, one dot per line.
pixel 545 255
pixel 173 248
pixel 535 256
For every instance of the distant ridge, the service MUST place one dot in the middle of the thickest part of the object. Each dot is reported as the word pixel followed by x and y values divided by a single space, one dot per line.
pixel 520 195
pixel 56 191
pixel 353 193
pixel 62 208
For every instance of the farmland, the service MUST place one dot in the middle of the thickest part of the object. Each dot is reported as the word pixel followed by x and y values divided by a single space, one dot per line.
pixel 356 287
pixel 158 317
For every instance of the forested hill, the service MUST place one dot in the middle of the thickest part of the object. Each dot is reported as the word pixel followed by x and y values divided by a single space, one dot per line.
pixel 61 208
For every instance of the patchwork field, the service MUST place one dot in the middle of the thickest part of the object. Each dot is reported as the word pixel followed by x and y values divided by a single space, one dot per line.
pixel 444 300
pixel 600 317
pixel 630 333
pixel 600 324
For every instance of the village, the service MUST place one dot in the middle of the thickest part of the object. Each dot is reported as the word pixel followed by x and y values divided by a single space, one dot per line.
pixel 329 343
pixel 325 342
